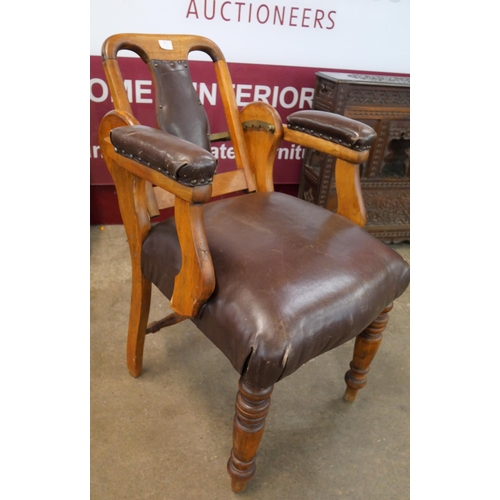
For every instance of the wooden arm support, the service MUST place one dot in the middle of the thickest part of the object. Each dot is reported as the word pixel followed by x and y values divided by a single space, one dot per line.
pixel 182 161
pixel 334 128
pixel 350 202
pixel 346 139
pixel 262 141
pixel 196 280
pixel 197 194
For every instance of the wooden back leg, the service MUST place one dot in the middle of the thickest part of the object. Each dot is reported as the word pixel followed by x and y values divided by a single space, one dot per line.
pixel 365 348
pixel 139 313
pixel 252 407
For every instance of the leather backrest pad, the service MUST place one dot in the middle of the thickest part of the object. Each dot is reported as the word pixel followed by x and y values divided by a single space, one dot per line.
pixel 178 107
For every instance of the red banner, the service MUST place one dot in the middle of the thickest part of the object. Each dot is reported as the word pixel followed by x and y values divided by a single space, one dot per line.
pixel 288 89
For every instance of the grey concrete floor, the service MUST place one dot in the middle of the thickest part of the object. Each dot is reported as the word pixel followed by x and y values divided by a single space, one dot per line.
pixel 167 434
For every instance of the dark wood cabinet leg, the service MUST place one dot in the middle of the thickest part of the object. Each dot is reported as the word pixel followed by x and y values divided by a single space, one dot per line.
pixel 365 348
pixel 252 407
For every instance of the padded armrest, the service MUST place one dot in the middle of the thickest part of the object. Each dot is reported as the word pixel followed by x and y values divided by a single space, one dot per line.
pixel 334 128
pixel 176 158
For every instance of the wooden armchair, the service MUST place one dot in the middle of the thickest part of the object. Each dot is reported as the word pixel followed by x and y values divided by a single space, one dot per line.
pixel 271 280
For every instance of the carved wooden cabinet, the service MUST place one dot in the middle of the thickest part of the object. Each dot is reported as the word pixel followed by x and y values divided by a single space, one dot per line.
pixel 383 102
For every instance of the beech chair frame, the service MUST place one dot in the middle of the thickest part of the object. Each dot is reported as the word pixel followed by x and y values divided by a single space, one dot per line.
pixel 256 132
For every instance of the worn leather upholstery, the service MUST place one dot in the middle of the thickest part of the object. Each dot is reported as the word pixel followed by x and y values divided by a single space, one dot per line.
pixel 178 107
pixel 176 158
pixel 334 128
pixel 293 281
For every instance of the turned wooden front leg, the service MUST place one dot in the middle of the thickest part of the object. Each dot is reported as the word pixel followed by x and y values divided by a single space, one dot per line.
pixel 252 407
pixel 365 348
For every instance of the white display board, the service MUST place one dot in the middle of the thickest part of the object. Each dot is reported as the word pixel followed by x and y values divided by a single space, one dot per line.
pixel 365 35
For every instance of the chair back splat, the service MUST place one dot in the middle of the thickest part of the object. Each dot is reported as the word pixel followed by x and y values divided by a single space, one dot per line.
pixel 273 281
pixel 178 107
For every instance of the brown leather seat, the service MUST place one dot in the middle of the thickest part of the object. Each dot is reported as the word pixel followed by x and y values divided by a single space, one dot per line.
pixel 271 280
pixel 293 281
